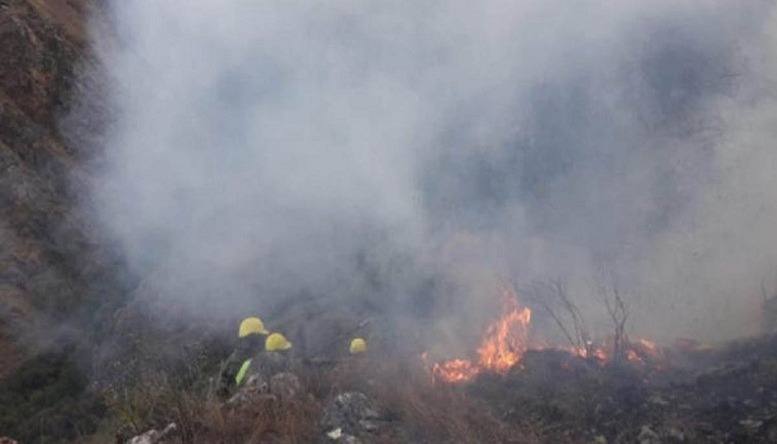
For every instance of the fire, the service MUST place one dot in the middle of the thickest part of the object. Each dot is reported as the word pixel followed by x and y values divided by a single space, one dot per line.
pixel 506 340
pixel 648 347
pixel 503 344
pixel 455 370
pixel 643 352
pixel 596 353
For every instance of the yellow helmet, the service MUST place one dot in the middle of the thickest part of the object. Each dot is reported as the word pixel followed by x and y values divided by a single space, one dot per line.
pixel 251 325
pixel 276 341
pixel 358 345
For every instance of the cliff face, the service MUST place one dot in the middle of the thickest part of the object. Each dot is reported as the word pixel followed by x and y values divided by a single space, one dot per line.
pixel 46 258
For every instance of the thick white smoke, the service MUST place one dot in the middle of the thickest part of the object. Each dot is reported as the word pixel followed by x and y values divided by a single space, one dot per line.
pixel 348 149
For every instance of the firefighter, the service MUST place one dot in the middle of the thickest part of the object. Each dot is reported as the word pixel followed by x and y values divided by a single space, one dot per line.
pixel 274 359
pixel 358 346
pixel 251 326
pixel 251 335
pixel 352 370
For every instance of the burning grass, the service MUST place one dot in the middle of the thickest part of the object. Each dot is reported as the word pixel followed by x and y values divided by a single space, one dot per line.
pixel 507 339
pixel 503 344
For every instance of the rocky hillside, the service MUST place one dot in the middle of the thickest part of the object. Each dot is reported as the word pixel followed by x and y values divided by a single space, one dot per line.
pixel 45 264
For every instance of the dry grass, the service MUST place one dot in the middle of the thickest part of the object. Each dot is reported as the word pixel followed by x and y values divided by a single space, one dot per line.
pixel 416 409
pixel 156 402
pixel 271 420
pixel 424 411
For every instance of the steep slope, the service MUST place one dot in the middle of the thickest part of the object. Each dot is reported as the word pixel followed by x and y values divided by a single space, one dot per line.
pixel 43 251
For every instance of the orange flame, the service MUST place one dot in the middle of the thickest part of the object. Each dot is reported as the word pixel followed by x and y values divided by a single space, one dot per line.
pixel 506 340
pixel 503 345
pixel 455 370
pixel 645 352
pixel 649 346
pixel 596 353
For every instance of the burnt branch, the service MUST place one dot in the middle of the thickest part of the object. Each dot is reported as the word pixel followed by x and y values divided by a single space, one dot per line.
pixel 552 296
pixel 617 309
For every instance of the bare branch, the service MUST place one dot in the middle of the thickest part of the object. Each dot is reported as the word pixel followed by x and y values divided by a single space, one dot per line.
pixel 618 311
pixel 552 296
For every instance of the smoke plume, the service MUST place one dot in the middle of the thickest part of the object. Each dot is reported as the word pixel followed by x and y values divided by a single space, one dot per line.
pixel 405 157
